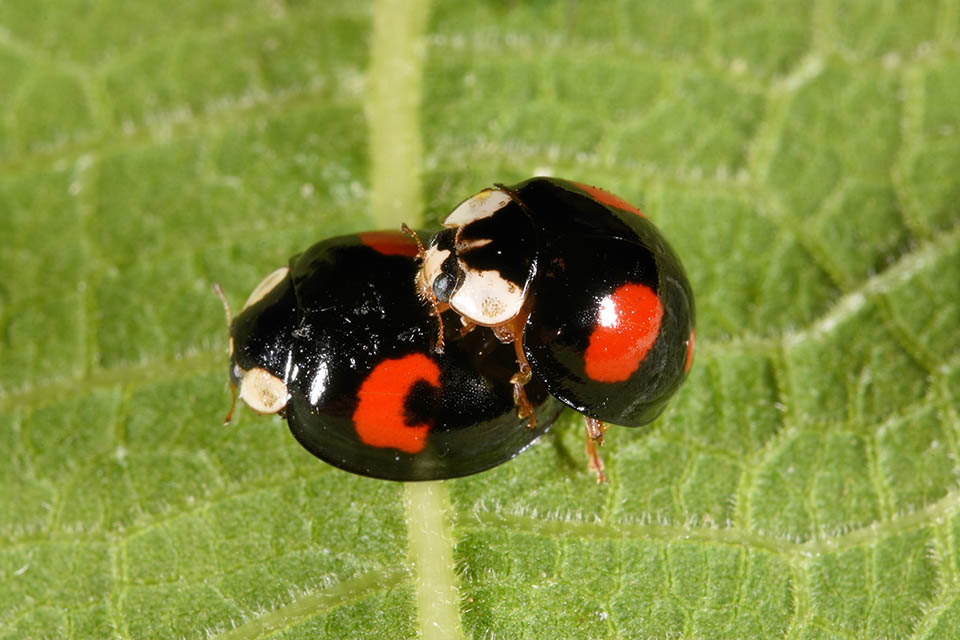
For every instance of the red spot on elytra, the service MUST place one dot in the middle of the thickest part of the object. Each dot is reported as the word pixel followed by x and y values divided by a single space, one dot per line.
pixel 380 416
pixel 390 243
pixel 693 335
pixel 607 198
pixel 626 327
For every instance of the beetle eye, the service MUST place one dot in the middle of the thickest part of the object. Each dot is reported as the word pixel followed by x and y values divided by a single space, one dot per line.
pixel 444 286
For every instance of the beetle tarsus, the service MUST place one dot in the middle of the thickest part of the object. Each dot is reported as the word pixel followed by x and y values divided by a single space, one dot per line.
pixel 438 347
pixel 524 407
pixel 595 429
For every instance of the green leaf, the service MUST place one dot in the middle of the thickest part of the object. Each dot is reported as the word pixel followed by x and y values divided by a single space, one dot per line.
pixel 803 159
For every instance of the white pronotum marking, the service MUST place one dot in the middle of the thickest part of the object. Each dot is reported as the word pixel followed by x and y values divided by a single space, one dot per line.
pixel 266 286
pixel 483 297
pixel 483 205
pixel 262 391
pixel 486 298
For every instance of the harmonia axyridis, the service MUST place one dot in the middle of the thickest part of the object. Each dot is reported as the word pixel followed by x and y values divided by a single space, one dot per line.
pixel 340 344
pixel 592 295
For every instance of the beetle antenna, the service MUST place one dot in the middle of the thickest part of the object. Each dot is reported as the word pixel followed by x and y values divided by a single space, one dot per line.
pixel 233 404
pixel 226 303
pixel 226 309
pixel 416 238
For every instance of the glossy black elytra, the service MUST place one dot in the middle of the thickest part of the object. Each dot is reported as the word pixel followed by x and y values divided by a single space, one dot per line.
pixel 591 293
pixel 340 344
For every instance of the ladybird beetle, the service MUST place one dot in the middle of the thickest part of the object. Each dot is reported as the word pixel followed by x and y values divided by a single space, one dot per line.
pixel 341 346
pixel 589 291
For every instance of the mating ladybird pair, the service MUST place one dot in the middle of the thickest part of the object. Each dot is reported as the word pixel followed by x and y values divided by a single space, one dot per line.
pixel 397 361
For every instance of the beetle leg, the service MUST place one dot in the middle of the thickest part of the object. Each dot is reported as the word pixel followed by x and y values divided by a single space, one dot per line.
pixel 519 379
pixel 467 326
pixel 512 331
pixel 524 408
pixel 595 429
pixel 438 347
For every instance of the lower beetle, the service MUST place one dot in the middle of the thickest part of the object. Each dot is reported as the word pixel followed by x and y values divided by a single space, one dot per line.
pixel 339 343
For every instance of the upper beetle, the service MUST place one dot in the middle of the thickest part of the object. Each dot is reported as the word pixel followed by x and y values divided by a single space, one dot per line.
pixel 340 344
pixel 594 298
